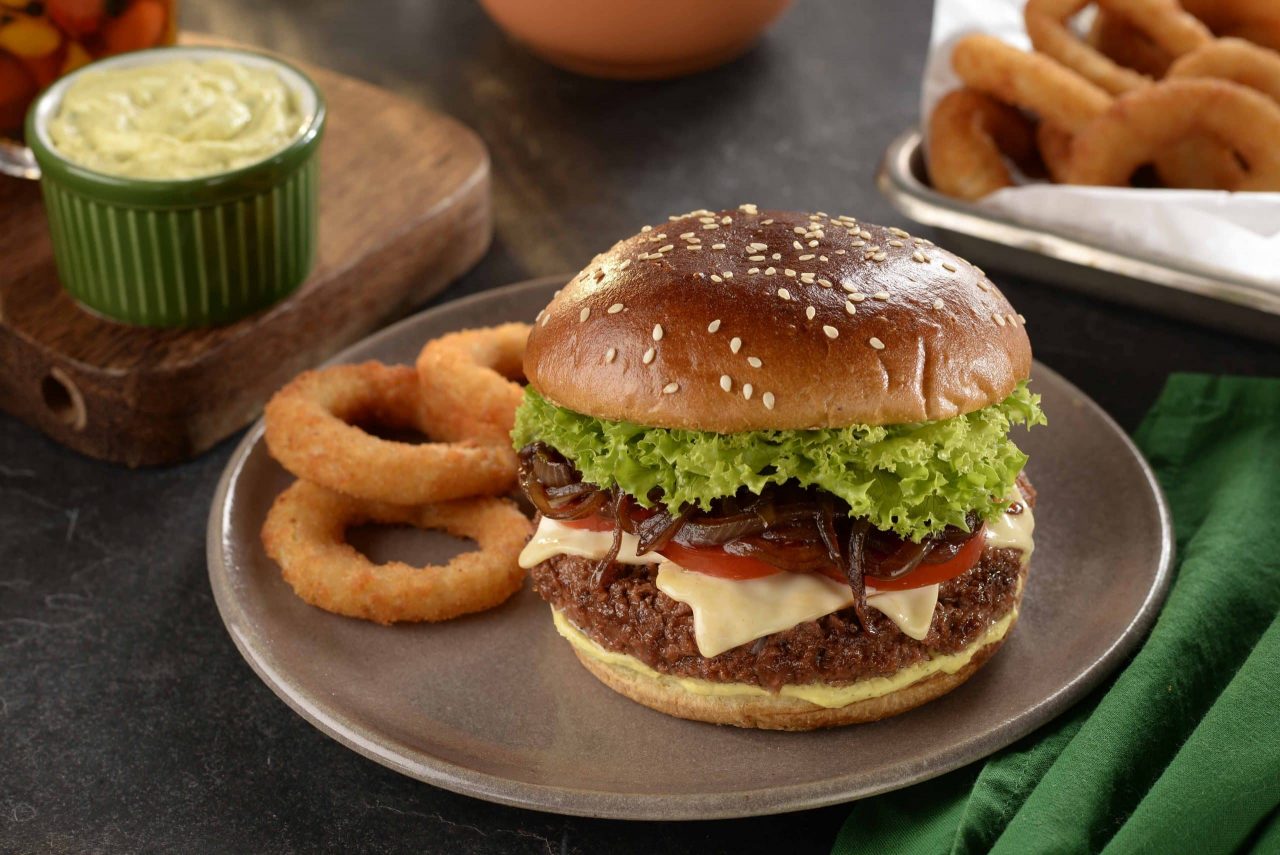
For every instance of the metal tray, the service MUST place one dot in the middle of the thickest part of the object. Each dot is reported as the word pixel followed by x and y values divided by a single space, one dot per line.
pixel 1234 305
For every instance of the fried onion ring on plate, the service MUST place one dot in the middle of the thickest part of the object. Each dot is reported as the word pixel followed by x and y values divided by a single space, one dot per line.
pixel 970 134
pixel 1144 122
pixel 311 429
pixel 1236 60
pixel 1163 21
pixel 1124 43
pixel 305 533
pixel 1030 81
pixel 468 381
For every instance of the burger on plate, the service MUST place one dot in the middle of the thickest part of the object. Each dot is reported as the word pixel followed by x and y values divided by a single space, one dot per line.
pixel 770 453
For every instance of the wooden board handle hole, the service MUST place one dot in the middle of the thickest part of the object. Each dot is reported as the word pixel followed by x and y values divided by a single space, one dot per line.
pixel 63 399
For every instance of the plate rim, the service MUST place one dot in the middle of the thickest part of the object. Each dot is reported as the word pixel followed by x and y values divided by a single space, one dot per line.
pixel 648 806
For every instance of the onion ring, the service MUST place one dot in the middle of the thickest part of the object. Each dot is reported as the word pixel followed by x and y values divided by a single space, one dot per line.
pixel 305 534
pixel 1163 21
pixel 1143 122
pixel 969 134
pixel 1055 149
pixel 467 380
pixel 1205 163
pixel 310 431
pixel 1028 80
pixel 1257 21
pixel 1118 40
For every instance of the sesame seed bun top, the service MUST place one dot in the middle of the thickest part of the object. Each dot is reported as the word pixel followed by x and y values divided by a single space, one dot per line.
pixel 742 319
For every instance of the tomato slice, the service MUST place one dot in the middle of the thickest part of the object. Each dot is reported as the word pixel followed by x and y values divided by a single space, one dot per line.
pixel 929 574
pixel 714 561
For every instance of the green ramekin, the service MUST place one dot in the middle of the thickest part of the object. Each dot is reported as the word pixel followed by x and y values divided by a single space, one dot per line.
pixel 187 252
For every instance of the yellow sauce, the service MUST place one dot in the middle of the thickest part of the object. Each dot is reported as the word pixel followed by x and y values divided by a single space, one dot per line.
pixel 819 694
pixel 178 119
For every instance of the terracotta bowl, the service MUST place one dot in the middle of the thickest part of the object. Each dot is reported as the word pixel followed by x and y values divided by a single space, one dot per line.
pixel 635 39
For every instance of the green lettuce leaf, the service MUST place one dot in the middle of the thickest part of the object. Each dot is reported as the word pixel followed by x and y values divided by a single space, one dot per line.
pixel 913 479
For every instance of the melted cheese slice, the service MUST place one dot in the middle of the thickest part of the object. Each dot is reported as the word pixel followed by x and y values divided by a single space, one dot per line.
pixel 1013 531
pixel 555 538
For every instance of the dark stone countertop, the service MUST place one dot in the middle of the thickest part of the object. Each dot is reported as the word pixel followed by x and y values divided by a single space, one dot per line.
pixel 129 723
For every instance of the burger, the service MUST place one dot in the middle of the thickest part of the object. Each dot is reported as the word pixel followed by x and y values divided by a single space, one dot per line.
pixel 771 460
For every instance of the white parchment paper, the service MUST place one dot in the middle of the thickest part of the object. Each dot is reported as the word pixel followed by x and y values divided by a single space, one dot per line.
pixel 1223 234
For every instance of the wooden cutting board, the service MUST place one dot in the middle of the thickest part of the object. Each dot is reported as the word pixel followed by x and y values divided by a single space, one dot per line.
pixel 404 210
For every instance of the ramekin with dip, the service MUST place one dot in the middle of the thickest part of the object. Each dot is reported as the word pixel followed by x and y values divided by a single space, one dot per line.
pixel 180 183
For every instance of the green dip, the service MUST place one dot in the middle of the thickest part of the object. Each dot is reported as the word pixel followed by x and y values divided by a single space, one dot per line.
pixel 179 119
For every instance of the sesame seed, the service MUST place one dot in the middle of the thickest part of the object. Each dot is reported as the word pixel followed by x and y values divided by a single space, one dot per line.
pixel 810 312
pixel 807 257
pixel 711 226
pixel 625 264
pixel 789 272
pixel 657 332
pixel 746 391
pixel 777 256
pixel 767 398
pixel 716 278
pixel 714 326
pixel 813 243
pixel 753 270
pixel 850 308
pixel 693 246
pixel 666 247
pixel 825 283
pixel 938 304
pixel 807 278
pixel 728 274
pixel 918 256
pixel 754 361
pixel 648 356
pixel 982 283
pixel 748 208
pixel 831 331
pixel 822 258
pixel 849 286
pixel 610 354
pixel 839 252
pixel 894 230
pixel 876 343
pixel 796 244
pixel 707 220
pixel 856 242
pixel 896 243
pixel 1021 318
pixel 686 235
pixel 949 267
pixel 755 258
pixel 1011 319
pixel 756 245
pixel 545 318
pixel 865 235
pixel 584 314
pixel 817 216
pixel 784 293
pixel 735 344
pixel 615 308
pixel 881 295
pixel 646 228
pixel 769 271
pixel 671 388
pixel 767 222
pixel 857 298
pixel 999 318
pixel 726 382
pixel 978 270
pixel 799 230
pixel 717 246
pixel 726 220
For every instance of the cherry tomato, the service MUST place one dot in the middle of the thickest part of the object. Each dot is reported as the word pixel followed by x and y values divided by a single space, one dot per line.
pixel 142 25
pixel 714 561
pixel 79 18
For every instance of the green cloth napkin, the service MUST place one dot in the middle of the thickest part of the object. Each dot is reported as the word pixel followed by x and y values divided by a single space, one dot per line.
pixel 1180 752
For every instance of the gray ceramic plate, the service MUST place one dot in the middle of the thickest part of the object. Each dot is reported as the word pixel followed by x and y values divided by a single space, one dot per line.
pixel 496 706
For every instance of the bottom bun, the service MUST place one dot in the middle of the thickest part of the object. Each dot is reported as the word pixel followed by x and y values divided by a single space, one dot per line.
pixel 776 712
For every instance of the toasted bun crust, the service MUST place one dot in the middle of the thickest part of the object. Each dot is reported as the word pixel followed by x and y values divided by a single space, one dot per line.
pixel 776 712
pixel 901 331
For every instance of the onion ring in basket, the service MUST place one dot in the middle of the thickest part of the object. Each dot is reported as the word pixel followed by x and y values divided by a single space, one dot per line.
pixel 1118 40
pixel 1236 60
pixel 1028 80
pixel 1164 21
pixel 310 431
pixel 1257 21
pixel 1055 149
pixel 305 534
pixel 1144 122
pixel 969 135
pixel 467 381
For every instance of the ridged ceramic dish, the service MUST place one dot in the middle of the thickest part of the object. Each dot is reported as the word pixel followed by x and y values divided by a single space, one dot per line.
pixel 184 252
